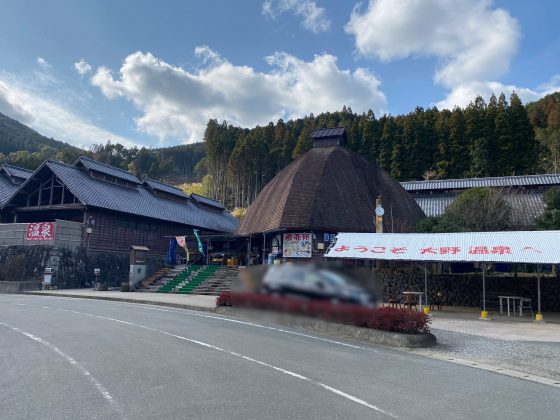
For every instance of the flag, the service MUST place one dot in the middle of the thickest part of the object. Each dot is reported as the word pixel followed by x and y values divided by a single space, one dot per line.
pixel 200 248
pixel 182 241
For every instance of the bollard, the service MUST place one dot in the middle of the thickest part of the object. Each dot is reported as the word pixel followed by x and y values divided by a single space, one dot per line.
pixel 539 317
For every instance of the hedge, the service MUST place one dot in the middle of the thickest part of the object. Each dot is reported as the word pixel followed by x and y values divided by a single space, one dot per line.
pixel 386 319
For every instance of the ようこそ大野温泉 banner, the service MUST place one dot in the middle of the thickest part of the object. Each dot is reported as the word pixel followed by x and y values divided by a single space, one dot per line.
pixel 537 247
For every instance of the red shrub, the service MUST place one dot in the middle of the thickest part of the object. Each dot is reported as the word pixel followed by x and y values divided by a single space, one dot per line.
pixel 224 299
pixel 400 320
pixel 387 319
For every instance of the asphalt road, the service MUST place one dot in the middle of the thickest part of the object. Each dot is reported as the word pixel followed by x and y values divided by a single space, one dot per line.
pixel 72 359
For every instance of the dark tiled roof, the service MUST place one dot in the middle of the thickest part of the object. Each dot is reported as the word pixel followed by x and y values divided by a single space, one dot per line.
pixel 138 201
pixel 16 171
pixel 207 201
pixel 502 181
pixel 107 169
pixel 330 189
pixel 169 189
pixel 7 189
pixel 322 133
pixel 525 206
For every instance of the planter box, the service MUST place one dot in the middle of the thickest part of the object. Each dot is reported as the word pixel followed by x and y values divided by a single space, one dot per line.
pixel 102 287
pixel 334 329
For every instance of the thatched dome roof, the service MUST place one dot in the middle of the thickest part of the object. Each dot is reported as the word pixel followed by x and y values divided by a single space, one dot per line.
pixel 330 189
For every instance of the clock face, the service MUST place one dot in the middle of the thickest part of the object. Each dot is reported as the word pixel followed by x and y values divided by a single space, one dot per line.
pixel 379 211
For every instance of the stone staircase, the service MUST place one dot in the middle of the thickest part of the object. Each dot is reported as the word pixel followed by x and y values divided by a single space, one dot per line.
pixel 220 282
pixel 155 281
pixel 197 278
pixel 180 274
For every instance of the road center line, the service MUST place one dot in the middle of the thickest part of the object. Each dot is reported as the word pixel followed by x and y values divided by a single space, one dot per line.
pixel 100 388
pixel 248 358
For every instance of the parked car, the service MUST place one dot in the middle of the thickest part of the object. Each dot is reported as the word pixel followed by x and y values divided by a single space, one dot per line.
pixel 313 283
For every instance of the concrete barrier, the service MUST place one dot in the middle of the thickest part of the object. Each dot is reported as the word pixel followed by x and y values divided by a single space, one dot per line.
pixel 334 329
pixel 19 286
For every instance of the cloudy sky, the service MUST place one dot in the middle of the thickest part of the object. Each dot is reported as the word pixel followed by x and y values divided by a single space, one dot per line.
pixel 153 72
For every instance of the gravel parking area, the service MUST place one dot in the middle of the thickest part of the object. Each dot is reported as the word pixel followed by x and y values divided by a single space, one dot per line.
pixel 539 358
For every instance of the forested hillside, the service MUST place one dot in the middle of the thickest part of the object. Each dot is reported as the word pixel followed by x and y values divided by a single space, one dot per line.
pixel 22 146
pixel 501 137
pixel 15 136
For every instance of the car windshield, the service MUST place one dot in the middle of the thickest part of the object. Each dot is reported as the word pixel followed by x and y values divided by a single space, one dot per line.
pixel 332 278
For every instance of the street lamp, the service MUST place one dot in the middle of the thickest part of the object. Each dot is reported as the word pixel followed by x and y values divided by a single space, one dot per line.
pixel 90 222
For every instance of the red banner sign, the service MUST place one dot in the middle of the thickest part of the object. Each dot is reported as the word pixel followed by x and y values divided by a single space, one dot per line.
pixel 40 231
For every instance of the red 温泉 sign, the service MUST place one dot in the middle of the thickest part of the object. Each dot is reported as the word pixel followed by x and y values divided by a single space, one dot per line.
pixel 40 231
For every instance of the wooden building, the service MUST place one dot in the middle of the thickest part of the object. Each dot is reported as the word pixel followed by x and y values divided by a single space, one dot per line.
pixel 116 209
pixel 11 177
pixel 327 190
pixel 523 193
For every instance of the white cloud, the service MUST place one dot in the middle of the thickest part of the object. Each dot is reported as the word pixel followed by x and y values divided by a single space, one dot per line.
pixel 21 101
pixel 82 67
pixel 177 104
pixel 473 40
pixel 314 17
pixel 43 63
pixel 463 94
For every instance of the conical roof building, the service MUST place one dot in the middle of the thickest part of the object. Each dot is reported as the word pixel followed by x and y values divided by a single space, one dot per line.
pixel 330 189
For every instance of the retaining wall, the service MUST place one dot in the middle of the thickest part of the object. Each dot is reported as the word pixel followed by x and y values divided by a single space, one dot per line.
pixel 72 268
pixel 66 235
pixel 466 289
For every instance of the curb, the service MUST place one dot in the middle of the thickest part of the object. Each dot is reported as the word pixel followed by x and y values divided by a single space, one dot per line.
pixel 332 329
pixel 410 341
pixel 543 380
pixel 140 301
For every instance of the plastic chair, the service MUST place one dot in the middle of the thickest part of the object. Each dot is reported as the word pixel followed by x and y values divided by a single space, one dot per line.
pixel 410 301
pixel 525 303
pixel 437 302
pixel 394 302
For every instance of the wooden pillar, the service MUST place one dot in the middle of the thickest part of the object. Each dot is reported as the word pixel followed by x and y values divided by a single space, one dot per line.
pixel 379 222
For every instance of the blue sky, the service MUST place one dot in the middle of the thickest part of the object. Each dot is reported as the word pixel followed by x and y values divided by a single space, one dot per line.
pixel 152 73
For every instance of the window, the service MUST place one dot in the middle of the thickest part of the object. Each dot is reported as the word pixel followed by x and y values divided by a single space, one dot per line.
pixel 122 224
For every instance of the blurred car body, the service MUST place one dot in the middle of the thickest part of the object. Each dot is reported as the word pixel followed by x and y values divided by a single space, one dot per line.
pixel 313 283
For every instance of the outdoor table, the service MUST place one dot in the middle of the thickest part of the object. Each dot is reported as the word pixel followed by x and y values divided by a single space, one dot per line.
pixel 513 298
pixel 418 294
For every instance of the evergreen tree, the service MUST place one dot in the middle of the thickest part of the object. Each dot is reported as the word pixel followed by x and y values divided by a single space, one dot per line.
pixel 523 147
pixel 386 143
pixel 503 139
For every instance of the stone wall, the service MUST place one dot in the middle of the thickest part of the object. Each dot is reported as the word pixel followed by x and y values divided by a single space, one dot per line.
pixel 66 234
pixel 466 289
pixel 71 268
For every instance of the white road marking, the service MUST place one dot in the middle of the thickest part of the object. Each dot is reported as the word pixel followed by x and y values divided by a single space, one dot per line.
pixel 244 357
pixel 266 327
pixel 189 312
pixel 100 388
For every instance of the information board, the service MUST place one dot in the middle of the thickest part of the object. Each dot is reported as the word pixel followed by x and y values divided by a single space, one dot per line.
pixel 297 245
